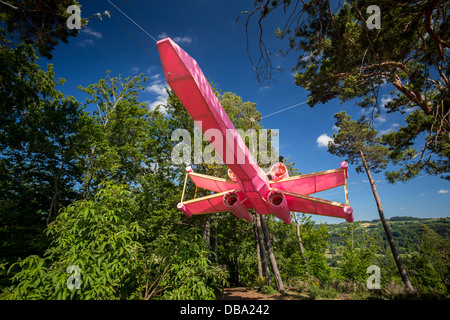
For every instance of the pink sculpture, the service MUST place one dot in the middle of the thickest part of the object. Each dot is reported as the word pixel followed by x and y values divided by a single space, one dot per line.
pixel 249 187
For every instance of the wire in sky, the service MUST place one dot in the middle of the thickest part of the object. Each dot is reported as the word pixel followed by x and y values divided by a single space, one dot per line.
pixel 134 38
pixel 276 112
pixel 145 31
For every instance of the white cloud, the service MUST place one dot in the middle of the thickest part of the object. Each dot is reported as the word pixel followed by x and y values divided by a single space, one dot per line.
pixel 162 35
pixel 442 191
pixel 155 77
pixel 157 87
pixel 381 119
pixel 92 34
pixel 385 100
pixel 179 40
pixel 89 31
pixel 86 42
pixel 391 128
pixel 409 110
pixel 323 139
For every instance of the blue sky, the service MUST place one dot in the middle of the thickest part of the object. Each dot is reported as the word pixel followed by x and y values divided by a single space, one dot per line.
pixel 207 31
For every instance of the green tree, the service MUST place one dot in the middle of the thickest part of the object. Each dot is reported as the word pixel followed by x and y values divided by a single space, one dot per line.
pixel 42 24
pixel 120 136
pixel 358 254
pixel 431 265
pixel 40 141
pixel 342 57
pixel 314 238
pixel 98 236
pixel 358 142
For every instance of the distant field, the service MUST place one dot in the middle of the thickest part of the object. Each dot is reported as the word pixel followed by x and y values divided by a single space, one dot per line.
pixel 405 230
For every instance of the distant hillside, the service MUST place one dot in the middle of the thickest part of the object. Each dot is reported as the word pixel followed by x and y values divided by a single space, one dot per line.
pixel 405 230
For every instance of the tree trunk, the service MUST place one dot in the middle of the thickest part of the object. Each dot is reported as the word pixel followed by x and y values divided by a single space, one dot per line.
pixel 89 174
pixel 207 235
pixel 216 238
pixel 273 262
pixel 258 254
pixel 391 241
pixel 300 244
pixel 238 272
pixel 262 251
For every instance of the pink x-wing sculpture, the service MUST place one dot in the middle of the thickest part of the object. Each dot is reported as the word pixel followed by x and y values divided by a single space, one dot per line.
pixel 248 186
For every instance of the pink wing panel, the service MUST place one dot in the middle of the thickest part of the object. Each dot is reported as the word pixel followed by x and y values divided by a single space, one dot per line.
pixel 313 205
pixel 312 183
pixel 212 183
pixel 206 204
pixel 209 204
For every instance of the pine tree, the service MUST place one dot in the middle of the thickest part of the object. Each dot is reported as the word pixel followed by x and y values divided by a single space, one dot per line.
pixel 342 56
pixel 359 143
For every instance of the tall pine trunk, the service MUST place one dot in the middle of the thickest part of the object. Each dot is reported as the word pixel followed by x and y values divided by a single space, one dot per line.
pixel 300 244
pixel 206 233
pixel 273 261
pixel 391 241
pixel 262 251
pixel 216 239
pixel 258 255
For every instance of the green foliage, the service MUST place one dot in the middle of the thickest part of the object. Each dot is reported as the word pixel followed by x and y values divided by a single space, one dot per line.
pixel 316 293
pixel 341 57
pixel 358 254
pixel 357 140
pixel 194 279
pixel 41 137
pixel 99 236
pixel 431 264
pixel 42 24
pixel 120 136
pixel 402 148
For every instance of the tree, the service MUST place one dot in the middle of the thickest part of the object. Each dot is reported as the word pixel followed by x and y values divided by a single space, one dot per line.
pixel 273 261
pixel 431 264
pixel 40 142
pixel 120 139
pixel 358 142
pixel 358 254
pixel 36 22
pixel 342 57
pixel 300 244
pixel 261 247
pixel 97 236
pixel 315 239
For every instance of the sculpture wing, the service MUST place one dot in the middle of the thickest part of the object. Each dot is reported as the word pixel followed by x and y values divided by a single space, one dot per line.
pixel 212 183
pixel 208 204
pixel 311 183
pixel 307 204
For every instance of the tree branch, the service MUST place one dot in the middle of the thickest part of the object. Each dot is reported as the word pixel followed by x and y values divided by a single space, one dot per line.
pixel 9 5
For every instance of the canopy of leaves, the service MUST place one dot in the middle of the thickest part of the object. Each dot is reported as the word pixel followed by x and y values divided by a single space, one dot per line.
pixel 356 139
pixel 36 22
pixel 341 57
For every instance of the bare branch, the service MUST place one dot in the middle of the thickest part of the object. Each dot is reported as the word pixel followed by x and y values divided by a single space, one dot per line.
pixel 9 5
